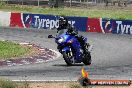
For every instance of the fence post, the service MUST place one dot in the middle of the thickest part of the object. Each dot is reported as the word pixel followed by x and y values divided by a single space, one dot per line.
pixel 22 2
pixel 38 3
pixel 70 2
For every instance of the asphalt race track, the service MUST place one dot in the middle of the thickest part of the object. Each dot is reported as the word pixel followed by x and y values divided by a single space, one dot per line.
pixel 111 57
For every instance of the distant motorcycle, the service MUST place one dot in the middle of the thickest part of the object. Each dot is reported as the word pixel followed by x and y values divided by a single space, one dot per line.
pixel 70 48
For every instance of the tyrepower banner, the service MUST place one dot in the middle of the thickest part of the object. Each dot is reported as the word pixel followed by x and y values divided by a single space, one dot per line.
pixel 80 23
pixel 109 26
pixel 117 26
pixel 40 21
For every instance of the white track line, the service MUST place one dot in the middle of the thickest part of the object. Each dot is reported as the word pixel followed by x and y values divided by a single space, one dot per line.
pixel 58 54
pixel 44 80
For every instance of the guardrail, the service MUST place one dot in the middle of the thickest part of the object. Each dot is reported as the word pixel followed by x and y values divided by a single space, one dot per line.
pixel 86 24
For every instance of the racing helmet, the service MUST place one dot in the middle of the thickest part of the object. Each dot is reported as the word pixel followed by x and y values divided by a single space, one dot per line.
pixel 63 21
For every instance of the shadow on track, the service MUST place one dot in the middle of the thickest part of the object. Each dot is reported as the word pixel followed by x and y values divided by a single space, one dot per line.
pixel 64 65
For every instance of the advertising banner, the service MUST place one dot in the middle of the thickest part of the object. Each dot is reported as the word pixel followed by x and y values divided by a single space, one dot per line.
pixel 117 26
pixel 93 25
pixel 80 23
pixel 50 22
pixel 40 21
pixel 15 20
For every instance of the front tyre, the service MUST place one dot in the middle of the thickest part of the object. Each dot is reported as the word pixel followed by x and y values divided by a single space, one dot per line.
pixel 68 58
pixel 87 58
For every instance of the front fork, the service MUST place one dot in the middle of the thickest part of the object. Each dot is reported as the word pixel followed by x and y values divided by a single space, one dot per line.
pixel 71 54
pixel 69 51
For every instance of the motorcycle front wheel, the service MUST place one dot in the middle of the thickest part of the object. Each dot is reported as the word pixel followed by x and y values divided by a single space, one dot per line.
pixel 68 58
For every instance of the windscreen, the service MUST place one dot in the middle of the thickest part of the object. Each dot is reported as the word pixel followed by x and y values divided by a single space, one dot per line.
pixel 61 32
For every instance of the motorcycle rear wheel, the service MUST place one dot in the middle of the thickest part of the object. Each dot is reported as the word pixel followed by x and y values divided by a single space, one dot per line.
pixel 87 58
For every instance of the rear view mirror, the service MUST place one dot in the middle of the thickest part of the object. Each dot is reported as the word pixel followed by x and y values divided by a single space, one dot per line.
pixel 50 36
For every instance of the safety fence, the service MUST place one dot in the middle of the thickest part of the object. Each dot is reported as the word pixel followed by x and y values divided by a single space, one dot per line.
pixel 71 3
pixel 50 22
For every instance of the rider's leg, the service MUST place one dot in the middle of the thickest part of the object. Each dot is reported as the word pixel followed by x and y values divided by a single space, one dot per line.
pixel 82 42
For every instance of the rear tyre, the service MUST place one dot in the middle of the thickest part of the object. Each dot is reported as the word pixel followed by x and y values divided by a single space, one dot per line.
pixel 68 58
pixel 87 58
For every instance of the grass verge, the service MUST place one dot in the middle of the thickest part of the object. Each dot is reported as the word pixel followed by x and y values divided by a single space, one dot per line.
pixel 79 86
pixel 9 50
pixel 114 13
pixel 69 85
pixel 4 83
pixel 9 84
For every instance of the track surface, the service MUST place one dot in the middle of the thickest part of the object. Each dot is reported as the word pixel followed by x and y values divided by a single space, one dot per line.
pixel 111 57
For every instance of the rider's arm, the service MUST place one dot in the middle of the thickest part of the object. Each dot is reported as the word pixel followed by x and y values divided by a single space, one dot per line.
pixel 58 29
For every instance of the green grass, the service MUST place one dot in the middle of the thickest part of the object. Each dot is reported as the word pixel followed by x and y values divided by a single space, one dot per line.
pixel 7 84
pixel 85 12
pixel 9 50
pixel 4 83
pixel 79 86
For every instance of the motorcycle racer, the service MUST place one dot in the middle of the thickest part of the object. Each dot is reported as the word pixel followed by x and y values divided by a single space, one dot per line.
pixel 63 24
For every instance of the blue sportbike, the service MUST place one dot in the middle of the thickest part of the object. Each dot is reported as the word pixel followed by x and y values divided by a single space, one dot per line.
pixel 71 49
